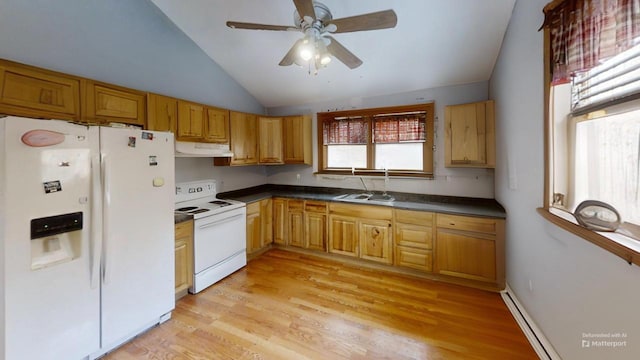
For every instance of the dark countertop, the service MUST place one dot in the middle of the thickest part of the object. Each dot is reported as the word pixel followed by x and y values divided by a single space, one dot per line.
pixel 421 202
pixel 178 218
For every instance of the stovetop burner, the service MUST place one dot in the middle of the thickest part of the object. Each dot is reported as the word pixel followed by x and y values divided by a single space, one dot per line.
pixel 198 211
pixel 220 202
pixel 187 208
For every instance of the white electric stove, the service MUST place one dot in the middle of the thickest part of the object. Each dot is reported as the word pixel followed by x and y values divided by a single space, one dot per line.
pixel 219 237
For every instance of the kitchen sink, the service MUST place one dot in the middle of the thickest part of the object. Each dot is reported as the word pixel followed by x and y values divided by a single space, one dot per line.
pixel 365 197
pixel 381 197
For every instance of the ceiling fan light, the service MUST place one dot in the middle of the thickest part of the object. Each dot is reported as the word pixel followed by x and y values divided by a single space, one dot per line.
pixel 306 48
pixel 325 59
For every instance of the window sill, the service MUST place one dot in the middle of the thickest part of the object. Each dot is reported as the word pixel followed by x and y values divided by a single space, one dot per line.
pixel 376 173
pixel 618 244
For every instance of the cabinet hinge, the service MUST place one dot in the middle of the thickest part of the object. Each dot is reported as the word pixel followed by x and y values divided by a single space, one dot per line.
pixel 434 148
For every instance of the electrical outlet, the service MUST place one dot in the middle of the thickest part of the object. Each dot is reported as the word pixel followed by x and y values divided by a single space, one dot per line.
pixel 530 285
pixel 298 177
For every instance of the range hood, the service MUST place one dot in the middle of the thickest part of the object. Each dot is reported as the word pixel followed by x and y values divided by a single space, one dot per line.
pixel 196 149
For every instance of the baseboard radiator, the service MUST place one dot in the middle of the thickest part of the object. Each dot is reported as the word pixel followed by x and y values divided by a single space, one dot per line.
pixel 538 341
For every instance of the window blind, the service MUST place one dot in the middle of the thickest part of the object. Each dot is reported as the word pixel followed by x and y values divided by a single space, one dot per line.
pixel 343 131
pixel 615 80
pixel 399 128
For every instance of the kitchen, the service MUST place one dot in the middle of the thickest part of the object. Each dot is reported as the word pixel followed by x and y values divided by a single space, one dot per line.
pixel 114 49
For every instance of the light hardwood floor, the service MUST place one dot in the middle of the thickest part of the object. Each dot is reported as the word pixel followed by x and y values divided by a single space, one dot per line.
pixel 287 305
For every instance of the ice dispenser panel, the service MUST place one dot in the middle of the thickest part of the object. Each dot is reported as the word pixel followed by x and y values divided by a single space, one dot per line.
pixel 55 239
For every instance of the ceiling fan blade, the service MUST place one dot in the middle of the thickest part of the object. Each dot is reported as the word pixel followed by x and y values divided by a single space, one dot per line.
pixel 252 26
pixel 341 53
pixel 372 21
pixel 291 55
pixel 305 8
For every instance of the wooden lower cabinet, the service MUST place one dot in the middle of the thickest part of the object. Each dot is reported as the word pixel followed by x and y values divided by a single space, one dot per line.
pixel 470 248
pixel 295 221
pixel 413 231
pixel 259 225
pixel 183 257
pixel 280 221
pixel 315 225
pixel 343 235
pixel 374 237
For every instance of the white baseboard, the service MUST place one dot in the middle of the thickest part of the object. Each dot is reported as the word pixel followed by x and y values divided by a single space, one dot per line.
pixel 538 341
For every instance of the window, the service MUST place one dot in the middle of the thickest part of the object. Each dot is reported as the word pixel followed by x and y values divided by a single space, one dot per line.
pixel 593 118
pixel 396 139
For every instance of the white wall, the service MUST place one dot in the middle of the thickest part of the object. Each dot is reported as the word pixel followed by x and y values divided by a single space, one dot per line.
pixel 576 286
pixel 448 181
pixel 128 43
pixel 227 178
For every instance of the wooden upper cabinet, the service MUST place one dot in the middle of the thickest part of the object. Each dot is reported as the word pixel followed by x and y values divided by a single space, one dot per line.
pixel 32 92
pixel 244 138
pixel 162 113
pixel 216 129
pixel 191 117
pixel 270 140
pixel 297 140
pixel 470 135
pixel 109 103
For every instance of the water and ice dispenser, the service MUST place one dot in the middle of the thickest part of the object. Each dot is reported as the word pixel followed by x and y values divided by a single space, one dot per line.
pixel 55 239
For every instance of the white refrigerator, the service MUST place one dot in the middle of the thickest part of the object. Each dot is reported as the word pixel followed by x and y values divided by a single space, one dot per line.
pixel 87 237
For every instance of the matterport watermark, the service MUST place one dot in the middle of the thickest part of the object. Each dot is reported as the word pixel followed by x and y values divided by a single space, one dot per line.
pixel 610 340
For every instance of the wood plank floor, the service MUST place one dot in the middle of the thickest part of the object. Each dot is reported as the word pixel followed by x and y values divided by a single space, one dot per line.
pixel 287 305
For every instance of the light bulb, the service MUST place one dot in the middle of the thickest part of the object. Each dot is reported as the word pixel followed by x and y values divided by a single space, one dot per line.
pixel 306 49
pixel 325 59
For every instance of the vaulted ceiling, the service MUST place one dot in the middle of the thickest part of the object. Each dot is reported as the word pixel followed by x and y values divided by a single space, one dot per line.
pixel 435 43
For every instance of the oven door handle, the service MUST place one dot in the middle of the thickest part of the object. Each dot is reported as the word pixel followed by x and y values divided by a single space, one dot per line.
pixel 218 222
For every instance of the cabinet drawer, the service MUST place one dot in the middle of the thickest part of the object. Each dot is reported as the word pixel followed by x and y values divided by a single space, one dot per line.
pixel 362 211
pixel 315 206
pixel 184 229
pixel 414 235
pixel 295 205
pixel 414 217
pixel 467 223
pixel 420 259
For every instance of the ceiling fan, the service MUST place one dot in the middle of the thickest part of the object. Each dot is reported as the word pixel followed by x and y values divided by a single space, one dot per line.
pixel 315 20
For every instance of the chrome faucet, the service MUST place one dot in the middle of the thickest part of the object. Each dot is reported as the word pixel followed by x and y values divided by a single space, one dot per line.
pixel 364 185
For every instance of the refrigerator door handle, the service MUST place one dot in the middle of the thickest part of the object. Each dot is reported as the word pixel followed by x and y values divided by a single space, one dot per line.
pixel 106 200
pixel 95 240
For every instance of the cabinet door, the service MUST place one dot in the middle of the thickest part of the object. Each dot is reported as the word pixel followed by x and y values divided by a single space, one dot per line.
pixel 109 103
pixel 162 113
pixel 254 227
pixel 280 221
pixel 216 128
pixel 183 257
pixel 315 231
pixel 343 235
pixel 469 138
pixel 244 138
pixel 266 218
pixel 33 92
pixel 253 232
pixel 190 121
pixel 375 240
pixel 297 140
pixel 295 211
pixel 466 255
pixel 181 270
pixel 270 140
